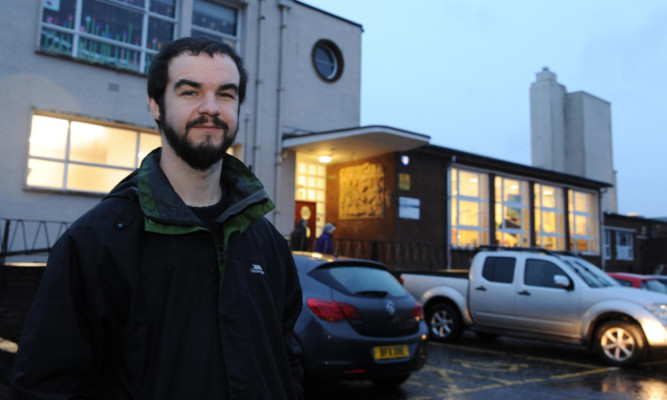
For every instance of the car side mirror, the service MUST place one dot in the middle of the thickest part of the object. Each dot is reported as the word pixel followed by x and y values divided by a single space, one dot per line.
pixel 562 281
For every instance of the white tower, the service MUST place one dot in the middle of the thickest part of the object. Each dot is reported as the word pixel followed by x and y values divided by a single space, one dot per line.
pixel 571 133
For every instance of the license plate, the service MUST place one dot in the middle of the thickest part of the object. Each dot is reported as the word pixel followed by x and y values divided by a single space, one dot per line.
pixel 390 352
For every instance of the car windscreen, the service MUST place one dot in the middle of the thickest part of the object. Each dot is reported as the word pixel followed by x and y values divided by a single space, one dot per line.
pixel 590 273
pixel 654 285
pixel 359 281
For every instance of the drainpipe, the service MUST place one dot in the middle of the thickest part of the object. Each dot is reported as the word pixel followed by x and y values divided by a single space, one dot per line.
pixel 601 192
pixel 259 80
pixel 279 110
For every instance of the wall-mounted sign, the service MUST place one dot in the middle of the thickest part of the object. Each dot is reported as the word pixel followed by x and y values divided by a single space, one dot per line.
pixel 408 208
pixel 404 181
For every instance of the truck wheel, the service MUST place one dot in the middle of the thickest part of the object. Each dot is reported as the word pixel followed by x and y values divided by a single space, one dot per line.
pixel 619 343
pixel 444 322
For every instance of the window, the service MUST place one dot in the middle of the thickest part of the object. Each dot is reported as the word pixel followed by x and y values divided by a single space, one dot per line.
pixel 624 246
pixel 469 202
pixel 311 186
pixel 607 244
pixel 512 212
pixel 541 273
pixel 327 60
pixel 499 269
pixel 126 34
pixel 70 154
pixel 123 34
pixel 582 221
pixel 549 224
pixel 215 21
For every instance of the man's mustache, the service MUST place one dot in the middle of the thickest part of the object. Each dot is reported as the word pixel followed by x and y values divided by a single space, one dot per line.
pixel 201 120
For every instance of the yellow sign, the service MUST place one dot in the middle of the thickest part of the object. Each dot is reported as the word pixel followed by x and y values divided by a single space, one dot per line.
pixel 404 181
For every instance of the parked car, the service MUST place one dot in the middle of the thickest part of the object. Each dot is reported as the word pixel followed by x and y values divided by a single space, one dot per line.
pixel 357 322
pixel 639 281
pixel 661 278
pixel 543 295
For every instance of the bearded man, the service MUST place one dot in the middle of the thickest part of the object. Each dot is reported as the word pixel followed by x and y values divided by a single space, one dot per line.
pixel 175 286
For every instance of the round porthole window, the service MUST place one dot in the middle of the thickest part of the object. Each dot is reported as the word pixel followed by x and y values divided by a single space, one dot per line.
pixel 327 60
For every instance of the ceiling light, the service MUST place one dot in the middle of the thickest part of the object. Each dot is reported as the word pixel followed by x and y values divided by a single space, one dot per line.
pixel 324 159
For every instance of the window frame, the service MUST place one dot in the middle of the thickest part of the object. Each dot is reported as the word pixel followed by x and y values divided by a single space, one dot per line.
pixel 337 56
pixel 522 204
pixel 558 210
pixel 625 252
pixel 455 199
pixel 180 22
pixel 591 217
pixel 67 161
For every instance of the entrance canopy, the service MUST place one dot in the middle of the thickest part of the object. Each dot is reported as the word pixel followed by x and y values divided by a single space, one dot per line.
pixel 354 143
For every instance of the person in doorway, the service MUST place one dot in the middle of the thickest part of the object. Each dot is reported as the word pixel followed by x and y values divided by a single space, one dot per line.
pixel 175 286
pixel 324 243
pixel 299 236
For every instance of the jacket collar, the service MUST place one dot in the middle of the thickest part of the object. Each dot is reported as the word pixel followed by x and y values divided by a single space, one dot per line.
pixel 243 192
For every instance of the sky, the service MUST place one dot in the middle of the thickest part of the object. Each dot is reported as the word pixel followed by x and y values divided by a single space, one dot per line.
pixel 460 72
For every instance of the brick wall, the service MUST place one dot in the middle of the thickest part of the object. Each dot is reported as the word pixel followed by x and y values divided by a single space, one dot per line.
pixel 18 286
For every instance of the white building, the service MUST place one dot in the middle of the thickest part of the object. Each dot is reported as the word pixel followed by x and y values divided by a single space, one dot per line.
pixel 74 112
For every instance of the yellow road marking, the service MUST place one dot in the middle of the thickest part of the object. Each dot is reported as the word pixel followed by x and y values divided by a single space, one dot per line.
pixel 450 386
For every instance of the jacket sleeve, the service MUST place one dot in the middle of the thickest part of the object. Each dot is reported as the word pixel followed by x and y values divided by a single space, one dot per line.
pixel 55 359
pixel 293 305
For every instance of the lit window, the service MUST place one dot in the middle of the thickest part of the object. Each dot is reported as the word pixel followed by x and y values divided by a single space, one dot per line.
pixel 469 206
pixel 549 211
pixel 311 187
pixel 327 60
pixel 512 212
pixel 67 154
pixel 582 222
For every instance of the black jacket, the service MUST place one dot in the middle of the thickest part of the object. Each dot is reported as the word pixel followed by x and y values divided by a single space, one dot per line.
pixel 140 300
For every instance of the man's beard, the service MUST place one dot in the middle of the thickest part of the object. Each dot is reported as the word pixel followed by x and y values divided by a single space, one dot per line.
pixel 203 156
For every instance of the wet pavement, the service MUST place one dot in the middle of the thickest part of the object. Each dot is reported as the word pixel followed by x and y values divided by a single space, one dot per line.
pixel 477 369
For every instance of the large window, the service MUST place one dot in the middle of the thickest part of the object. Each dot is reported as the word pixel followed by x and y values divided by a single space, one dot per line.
pixel 469 202
pixel 582 220
pixel 126 34
pixel 512 212
pixel 311 186
pixel 549 217
pixel 71 154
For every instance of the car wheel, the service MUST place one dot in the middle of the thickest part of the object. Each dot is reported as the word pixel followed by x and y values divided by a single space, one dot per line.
pixel 444 322
pixel 390 381
pixel 619 343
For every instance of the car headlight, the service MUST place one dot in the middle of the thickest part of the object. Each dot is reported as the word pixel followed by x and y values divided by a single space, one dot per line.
pixel 659 310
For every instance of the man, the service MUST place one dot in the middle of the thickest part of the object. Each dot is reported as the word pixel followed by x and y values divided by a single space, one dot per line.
pixel 299 236
pixel 175 286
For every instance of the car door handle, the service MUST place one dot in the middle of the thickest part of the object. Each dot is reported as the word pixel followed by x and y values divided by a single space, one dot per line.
pixel 524 293
pixel 481 288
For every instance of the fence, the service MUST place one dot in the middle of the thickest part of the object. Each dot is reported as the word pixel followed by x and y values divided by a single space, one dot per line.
pixel 24 236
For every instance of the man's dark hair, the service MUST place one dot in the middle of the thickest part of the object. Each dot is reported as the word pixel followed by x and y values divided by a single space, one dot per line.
pixel 158 73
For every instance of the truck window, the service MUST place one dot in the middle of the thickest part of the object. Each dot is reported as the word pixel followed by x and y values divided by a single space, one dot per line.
pixel 541 273
pixel 499 269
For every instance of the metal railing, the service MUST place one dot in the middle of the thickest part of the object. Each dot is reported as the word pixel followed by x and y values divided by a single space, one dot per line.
pixel 411 255
pixel 25 236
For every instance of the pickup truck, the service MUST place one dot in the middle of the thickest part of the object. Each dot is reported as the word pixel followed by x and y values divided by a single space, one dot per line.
pixel 543 295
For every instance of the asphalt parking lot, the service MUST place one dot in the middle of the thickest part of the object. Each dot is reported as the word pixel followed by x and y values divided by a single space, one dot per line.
pixel 475 369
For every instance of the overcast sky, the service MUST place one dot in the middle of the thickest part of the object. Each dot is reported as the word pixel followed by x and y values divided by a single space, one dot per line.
pixel 460 71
